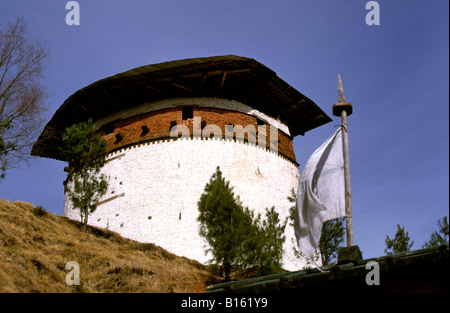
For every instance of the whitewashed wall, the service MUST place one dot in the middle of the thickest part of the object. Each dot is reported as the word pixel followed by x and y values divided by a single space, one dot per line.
pixel 155 189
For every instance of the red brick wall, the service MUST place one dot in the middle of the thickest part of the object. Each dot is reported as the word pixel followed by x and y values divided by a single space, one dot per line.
pixel 158 123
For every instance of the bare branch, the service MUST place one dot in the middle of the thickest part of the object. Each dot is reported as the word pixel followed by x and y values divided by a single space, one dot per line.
pixel 22 95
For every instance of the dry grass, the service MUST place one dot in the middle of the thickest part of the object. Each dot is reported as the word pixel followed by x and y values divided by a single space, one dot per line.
pixel 34 251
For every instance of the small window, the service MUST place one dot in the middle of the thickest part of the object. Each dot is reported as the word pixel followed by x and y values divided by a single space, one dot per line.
pixel 118 138
pixel 187 113
pixel 172 124
pixel 144 131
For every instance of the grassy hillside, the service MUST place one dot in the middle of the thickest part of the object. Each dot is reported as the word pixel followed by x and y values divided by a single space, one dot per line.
pixel 34 251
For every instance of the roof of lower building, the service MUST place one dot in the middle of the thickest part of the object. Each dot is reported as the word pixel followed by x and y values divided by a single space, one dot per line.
pixel 424 270
pixel 229 77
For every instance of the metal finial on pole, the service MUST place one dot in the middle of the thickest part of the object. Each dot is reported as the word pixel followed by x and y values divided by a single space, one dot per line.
pixel 344 109
pixel 340 90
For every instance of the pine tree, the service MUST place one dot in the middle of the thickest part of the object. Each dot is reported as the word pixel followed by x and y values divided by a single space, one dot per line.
pixel 223 223
pixel 439 237
pixel 86 153
pixel 241 243
pixel 272 232
pixel 400 243
pixel 331 238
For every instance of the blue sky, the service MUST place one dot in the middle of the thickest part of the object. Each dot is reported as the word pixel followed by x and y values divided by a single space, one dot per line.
pixel 395 74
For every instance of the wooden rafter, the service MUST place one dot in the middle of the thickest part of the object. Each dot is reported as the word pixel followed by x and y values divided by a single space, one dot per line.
pixel 223 79
pixel 183 87
pixel 84 108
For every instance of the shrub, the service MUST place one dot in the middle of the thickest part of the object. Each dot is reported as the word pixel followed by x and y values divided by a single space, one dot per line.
pixel 39 211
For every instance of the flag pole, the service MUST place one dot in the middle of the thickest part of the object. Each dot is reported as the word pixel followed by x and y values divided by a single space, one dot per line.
pixel 344 109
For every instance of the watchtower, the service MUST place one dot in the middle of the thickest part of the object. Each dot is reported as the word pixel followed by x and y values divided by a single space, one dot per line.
pixel 168 127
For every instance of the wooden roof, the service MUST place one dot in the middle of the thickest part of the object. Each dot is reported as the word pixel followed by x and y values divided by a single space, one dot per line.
pixel 418 271
pixel 229 77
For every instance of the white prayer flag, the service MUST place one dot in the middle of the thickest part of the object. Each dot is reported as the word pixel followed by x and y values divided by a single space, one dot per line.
pixel 321 193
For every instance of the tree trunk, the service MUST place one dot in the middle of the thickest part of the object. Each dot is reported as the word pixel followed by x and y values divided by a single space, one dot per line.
pixel 85 219
pixel 227 270
pixel 86 209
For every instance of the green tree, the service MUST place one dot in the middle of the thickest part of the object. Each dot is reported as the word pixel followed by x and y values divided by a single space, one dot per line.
pixel 86 153
pixel 223 223
pixel 400 243
pixel 439 237
pixel 263 246
pixel 240 242
pixel 331 238
pixel 272 240
pixel 332 234
pixel 292 199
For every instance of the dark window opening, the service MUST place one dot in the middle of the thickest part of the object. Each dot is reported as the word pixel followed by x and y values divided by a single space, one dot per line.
pixel 145 131
pixel 118 138
pixel 260 122
pixel 172 124
pixel 187 113
pixel 203 125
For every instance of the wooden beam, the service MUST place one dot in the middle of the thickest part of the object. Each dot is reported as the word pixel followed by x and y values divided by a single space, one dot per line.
pixel 211 73
pixel 240 71
pixel 223 79
pixel 153 88
pixel 164 80
pixel 294 107
pixel 84 108
pixel 204 79
pixel 193 75
pixel 183 87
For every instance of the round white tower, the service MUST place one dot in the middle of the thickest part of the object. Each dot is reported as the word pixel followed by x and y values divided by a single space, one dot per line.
pixel 168 127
